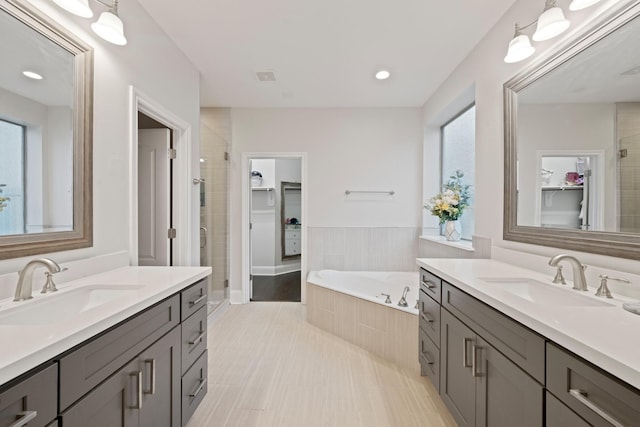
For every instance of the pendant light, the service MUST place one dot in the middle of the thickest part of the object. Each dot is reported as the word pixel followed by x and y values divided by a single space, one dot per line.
pixel 109 26
pixel 581 4
pixel 551 23
pixel 77 7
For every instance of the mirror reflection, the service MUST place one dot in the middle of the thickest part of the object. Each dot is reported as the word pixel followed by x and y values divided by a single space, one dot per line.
pixel 36 131
pixel 578 140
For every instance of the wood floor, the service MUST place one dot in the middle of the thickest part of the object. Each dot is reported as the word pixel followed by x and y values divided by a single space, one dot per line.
pixel 282 287
pixel 269 367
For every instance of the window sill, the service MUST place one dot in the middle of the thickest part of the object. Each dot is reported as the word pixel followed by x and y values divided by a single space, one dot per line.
pixel 465 245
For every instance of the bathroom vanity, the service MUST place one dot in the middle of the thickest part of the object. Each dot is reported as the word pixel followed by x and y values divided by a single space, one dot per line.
pixel 504 346
pixel 138 359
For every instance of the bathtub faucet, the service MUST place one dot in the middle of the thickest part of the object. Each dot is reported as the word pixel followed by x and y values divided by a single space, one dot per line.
pixel 403 299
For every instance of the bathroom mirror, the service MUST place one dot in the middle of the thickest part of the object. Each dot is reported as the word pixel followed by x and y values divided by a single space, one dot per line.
pixel 572 144
pixel 46 91
pixel 291 219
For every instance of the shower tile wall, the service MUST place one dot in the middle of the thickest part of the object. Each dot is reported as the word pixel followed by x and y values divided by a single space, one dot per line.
pixel 362 248
pixel 215 141
pixel 628 135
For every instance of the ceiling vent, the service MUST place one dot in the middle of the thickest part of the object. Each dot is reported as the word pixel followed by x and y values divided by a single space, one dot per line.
pixel 266 76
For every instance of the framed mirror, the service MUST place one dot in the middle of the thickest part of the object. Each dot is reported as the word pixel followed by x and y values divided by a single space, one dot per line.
pixel 46 103
pixel 572 144
pixel 291 219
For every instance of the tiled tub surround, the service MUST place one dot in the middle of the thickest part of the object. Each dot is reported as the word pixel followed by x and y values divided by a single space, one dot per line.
pixel 386 330
pixel 32 345
pixel 605 336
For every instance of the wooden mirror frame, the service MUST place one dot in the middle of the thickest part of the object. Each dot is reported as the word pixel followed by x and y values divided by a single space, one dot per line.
pixel 15 246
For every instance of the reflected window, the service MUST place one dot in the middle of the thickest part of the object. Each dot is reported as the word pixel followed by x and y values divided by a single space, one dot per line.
pixel 458 153
pixel 12 145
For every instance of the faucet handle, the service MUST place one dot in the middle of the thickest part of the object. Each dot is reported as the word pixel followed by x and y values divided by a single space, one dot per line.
pixel 603 290
pixel 49 286
pixel 559 278
pixel 388 300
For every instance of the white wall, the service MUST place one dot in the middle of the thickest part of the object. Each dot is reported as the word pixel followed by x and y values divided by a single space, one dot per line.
pixel 155 66
pixel 356 149
pixel 485 72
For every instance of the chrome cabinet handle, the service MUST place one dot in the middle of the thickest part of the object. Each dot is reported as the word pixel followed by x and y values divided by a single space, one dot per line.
pixel 198 339
pixel 581 396
pixel 24 418
pixel 138 393
pixel 197 391
pixel 197 300
pixel 204 243
pixel 428 284
pixel 152 376
pixel 465 345
pixel 427 318
pixel 474 361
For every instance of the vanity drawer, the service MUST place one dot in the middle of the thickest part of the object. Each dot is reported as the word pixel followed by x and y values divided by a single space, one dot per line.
pixel 429 357
pixel 35 394
pixel 193 298
pixel 429 312
pixel 524 347
pixel 558 415
pixel 430 284
pixel 194 338
pixel 194 387
pixel 590 392
pixel 92 363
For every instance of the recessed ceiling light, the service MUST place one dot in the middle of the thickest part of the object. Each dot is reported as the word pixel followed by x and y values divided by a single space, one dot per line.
pixel 32 75
pixel 266 76
pixel 383 75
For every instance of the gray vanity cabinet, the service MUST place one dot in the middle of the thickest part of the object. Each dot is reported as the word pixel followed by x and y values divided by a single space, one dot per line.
pixel 480 386
pixel 558 415
pixel 34 398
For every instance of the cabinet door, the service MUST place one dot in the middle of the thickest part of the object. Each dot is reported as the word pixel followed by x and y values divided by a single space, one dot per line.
pixel 457 385
pixel 160 367
pixel 113 403
pixel 34 398
pixel 505 395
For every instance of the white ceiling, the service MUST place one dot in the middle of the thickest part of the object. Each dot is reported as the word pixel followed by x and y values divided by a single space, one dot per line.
pixel 324 53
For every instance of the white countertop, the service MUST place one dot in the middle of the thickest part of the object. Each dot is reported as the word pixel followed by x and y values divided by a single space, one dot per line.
pixel 24 347
pixel 608 337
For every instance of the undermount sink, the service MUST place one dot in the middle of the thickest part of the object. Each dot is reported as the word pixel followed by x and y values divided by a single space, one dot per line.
pixel 544 294
pixel 55 308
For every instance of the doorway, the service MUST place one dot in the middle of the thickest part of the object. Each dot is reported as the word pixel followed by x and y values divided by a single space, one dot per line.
pixel 275 227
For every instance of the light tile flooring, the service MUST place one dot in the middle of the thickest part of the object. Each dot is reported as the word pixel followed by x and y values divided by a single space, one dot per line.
pixel 269 367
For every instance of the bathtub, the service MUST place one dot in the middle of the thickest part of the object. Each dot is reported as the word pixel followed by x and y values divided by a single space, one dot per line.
pixel 348 304
pixel 369 285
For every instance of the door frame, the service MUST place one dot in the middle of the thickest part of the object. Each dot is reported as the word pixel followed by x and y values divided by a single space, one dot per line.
pixel 182 171
pixel 246 218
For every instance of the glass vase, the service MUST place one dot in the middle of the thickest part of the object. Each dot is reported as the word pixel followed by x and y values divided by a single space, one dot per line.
pixel 452 231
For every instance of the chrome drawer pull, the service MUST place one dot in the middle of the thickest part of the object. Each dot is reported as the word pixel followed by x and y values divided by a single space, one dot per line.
pixel 581 396
pixel 465 345
pixel 152 376
pixel 429 284
pixel 474 361
pixel 197 391
pixel 197 300
pixel 25 417
pixel 138 393
pixel 198 339
pixel 427 318
pixel 429 361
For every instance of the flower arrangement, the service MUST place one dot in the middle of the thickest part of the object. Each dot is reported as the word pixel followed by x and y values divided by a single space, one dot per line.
pixel 3 200
pixel 450 204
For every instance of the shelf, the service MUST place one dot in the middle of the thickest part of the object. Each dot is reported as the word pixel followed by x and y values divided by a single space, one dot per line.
pixel 262 189
pixel 562 188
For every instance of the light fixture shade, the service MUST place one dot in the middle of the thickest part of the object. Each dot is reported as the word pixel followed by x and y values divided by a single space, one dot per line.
pixel 519 48
pixel 582 4
pixel 77 7
pixel 110 27
pixel 550 24
pixel 383 75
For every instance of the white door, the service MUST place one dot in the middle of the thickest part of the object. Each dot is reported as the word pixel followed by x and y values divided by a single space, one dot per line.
pixel 153 196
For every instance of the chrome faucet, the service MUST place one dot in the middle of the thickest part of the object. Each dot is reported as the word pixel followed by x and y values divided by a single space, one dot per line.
pixel 25 281
pixel 579 280
pixel 403 299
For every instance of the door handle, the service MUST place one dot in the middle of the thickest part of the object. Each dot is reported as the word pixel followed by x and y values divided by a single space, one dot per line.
pixel 138 393
pixel 474 361
pixel 197 391
pixel 152 376
pixel 204 244
pixel 465 357
pixel 583 398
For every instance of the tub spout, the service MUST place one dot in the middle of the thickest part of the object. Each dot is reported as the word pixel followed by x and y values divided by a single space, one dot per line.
pixel 403 299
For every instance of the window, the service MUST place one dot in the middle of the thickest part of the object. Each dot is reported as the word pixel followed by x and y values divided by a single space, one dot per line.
pixel 458 138
pixel 12 138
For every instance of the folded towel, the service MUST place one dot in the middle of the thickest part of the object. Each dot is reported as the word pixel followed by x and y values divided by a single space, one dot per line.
pixel 633 307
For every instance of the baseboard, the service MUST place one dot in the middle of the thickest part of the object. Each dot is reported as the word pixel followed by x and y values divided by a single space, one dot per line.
pixel 274 270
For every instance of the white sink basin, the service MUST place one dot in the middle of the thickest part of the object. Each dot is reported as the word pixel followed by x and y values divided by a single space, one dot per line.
pixel 60 306
pixel 545 294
